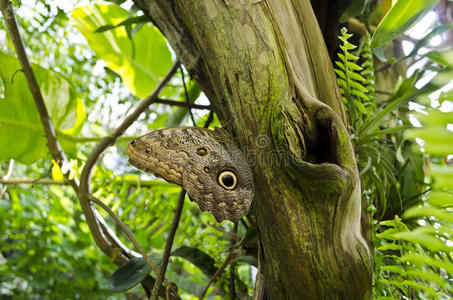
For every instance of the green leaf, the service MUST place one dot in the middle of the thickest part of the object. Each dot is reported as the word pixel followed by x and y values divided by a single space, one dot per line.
pixel 129 275
pixel 357 86
pixel 443 176
pixel 355 8
pixel 19 117
pixel 360 106
pixel 197 257
pixel 433 261
pixel 420 236
pixel 424 41
pixel 393 268
pixel 438 140
pixel 340 73
pixel 403 15
pixel 444 58
pixel 428 211
pixel 353 66
pixel 441 198
pixel 355 76
pixel 141 62
pixel 424 275
pixel 419 286
pixel 340 65
pixel 390 247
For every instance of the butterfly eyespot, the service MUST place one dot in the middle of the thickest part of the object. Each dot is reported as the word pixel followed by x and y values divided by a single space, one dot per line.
pixel 202 151
pixel 227 180
pixel 147 151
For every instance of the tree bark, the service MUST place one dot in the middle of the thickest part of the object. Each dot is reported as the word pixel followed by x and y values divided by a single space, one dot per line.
pixel 265 68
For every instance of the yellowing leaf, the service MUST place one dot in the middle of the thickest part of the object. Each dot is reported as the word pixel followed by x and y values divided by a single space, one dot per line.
pixel 141 62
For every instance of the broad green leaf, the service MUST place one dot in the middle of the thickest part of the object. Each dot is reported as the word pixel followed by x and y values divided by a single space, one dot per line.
pixel 197 257
pixel 403 15
pixel 129 275
pixel 141 62
pixel 22 136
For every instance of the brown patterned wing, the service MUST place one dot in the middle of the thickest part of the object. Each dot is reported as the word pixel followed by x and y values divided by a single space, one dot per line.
pixel 204 162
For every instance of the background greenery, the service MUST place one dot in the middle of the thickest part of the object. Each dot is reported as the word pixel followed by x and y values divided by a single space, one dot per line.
pixel 95 62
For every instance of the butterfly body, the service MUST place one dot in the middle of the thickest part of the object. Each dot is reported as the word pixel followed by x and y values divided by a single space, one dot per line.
pixel 205 162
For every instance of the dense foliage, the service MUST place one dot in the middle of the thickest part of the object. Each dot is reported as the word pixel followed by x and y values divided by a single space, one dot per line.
pixel 95 62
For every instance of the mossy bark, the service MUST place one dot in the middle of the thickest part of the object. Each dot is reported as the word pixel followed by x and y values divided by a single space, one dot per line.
pixel 265 68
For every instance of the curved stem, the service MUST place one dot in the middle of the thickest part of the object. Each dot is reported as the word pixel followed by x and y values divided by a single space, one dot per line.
pixel 126 230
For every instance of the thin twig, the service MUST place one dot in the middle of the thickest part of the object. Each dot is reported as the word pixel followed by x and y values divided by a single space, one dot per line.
pixel 168 244
pixel 130 180
pixel 186 94
pixel 232 267
pixel 96 153
pixel 6 177
pixel 109 140
pixel 33 181
pixel 219 271
pixel 181 104
pixel 54 147
pixel 126 230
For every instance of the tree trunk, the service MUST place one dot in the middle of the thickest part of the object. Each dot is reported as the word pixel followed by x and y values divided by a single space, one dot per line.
pixel 265 68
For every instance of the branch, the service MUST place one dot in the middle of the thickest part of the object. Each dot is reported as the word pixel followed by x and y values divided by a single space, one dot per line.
pixel 172 231
pixel 182 104
pixel 186 95
pixel 168 244
pixel 84 193
pixel 219 271
pixel 33 181
pixel 132 181
pixel 232 267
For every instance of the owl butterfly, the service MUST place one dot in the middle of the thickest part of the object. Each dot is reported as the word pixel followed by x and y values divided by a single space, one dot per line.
pixel 204 162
